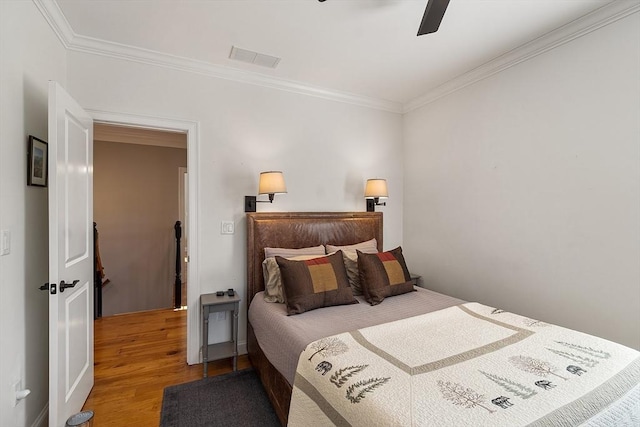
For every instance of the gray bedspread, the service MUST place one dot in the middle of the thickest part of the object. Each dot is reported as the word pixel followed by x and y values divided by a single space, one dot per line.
pixel 282 338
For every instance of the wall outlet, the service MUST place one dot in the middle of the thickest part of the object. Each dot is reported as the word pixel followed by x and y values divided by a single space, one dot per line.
pixel 227 227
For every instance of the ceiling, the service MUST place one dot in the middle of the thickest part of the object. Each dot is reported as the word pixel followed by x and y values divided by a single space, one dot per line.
pixel 137 135
pixel 368 48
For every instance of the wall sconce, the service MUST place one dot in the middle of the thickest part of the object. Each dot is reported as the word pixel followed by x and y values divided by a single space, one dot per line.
pixel 374 190
pixel 271 183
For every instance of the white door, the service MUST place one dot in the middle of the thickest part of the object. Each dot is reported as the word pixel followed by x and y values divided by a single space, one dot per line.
pixel 70 256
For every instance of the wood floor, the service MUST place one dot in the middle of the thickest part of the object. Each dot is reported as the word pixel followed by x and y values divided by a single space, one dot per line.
pixel 136 356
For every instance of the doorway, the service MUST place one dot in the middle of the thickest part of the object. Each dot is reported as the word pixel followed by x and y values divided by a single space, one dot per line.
pixel 136 209
pixel 191 129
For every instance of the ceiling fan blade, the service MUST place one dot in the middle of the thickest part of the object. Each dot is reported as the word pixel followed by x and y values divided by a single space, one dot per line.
pixel 432 17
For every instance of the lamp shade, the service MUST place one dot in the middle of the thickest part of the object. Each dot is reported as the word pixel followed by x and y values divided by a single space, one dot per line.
pixel 376 188
pixel 271 182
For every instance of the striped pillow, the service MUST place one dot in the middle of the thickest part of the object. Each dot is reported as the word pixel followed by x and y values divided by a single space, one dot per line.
pixel 351 260
pixel 287 252
pixel 314 283
pixel 383 275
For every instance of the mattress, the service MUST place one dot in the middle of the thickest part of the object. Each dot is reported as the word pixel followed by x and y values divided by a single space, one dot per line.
pixel 282 338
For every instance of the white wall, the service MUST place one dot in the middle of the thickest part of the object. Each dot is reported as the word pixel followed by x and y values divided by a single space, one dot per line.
pixel 30 55
pixel 326 150
pixel 523 190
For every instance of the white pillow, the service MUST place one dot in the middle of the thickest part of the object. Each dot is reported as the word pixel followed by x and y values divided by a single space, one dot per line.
pixel 368 247
pixel 273 291
pixel 285 252
pixel 350 258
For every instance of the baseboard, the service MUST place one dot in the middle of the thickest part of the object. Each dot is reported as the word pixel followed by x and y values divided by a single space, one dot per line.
pixel 242 347
pixel 43 417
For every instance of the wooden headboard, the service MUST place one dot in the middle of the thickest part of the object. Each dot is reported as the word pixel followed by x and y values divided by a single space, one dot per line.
pixel 302 229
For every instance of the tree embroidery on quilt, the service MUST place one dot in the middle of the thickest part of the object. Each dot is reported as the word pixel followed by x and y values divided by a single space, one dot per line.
pixel 518 389
pixel 462 396
pixel 363 387
pixel 600 354
pixel 534 366
pixel 587 361
pixel 533 323
pixel 341 376
pixel 331 346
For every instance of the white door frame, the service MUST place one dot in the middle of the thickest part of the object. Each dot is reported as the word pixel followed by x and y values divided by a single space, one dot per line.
pixel 183 193
pixel 193 151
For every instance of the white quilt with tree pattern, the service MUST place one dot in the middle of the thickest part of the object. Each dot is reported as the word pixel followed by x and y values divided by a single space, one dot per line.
pixel 468 365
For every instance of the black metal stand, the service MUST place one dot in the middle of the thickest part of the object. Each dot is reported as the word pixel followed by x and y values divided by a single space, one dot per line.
pixel 178 283
pixel 97 277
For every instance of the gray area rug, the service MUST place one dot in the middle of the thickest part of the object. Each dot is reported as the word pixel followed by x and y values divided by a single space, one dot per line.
pixel 235 399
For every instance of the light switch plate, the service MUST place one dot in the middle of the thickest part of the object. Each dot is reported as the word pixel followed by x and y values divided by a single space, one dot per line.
pixel 5 242
pixel 227 227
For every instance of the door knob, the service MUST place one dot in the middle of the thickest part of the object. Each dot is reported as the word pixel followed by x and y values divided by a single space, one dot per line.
pixel 64 285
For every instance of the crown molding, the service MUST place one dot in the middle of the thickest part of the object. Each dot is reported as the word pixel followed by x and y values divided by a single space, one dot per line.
pixel 599 18
pixel 79 43
pixel 612 12
pixel 56 20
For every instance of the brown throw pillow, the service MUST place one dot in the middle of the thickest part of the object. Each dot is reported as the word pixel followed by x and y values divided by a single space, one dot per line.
pixel 314 283
pixel 273 291
pixel 383 275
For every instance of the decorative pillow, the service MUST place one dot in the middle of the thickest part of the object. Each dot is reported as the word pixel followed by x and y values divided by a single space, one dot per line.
pixel 351 260
pixel 369 247
pixel 273 279
pixel 287 253
pixel 383 275
pixel 314 283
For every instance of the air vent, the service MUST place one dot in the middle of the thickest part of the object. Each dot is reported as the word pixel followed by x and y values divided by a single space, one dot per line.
pixel 251 57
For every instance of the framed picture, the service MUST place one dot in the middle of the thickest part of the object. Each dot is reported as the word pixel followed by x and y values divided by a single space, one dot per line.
pixel 38 159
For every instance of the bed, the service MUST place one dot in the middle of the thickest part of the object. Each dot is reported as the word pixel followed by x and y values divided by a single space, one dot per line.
pixel 368 333
pixel 295 230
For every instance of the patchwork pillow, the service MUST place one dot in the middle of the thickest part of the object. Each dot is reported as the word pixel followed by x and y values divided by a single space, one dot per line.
pixel 350 258
pixel 273 279
pixel 287 253
pixel 314 283
pixel 383 275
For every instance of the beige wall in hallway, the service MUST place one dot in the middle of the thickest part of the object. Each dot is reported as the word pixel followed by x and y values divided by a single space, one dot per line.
pixel 136 207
